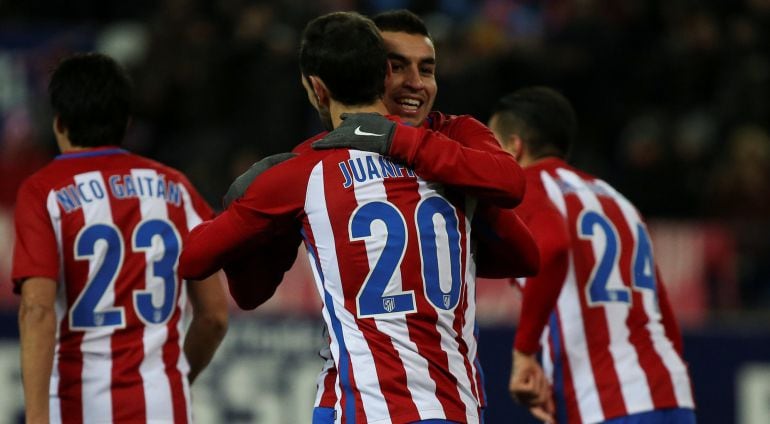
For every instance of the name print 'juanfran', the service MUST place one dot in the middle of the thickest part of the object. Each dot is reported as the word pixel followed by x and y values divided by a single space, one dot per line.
pixel 362 169
pixel 73 196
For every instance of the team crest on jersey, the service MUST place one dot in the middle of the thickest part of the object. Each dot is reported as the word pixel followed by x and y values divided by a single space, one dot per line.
pixel 389 304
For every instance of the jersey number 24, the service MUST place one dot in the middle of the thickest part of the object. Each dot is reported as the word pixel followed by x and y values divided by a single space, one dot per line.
pixel 605 284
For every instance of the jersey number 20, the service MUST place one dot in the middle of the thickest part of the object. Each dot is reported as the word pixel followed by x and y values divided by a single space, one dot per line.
pixel 102 245
pixel 372 300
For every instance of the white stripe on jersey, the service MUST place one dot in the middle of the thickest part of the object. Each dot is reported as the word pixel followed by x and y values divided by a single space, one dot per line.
pixel 193 219
pixel 334 347
pixel 359 353
pixel 60 307
pixel 422 390
pixel 632 379
pixel 446 318
pixel 663 346
pixel 571 322
pixel 157 390
pixel 182 364
pixel 96 344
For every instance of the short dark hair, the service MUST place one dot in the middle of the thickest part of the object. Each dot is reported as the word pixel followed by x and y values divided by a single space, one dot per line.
pixel 91 95
pixel 401 20
pixel 345 50
pixel 542 117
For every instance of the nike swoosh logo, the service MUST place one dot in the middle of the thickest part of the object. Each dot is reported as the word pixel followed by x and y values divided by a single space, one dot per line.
pixel 359 132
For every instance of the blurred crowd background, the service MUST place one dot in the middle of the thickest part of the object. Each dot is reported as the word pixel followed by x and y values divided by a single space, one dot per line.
pixel 673 96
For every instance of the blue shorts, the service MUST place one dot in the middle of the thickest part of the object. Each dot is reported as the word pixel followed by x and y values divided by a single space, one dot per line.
pixel 326 416
pixel 660 416
pixel 323 415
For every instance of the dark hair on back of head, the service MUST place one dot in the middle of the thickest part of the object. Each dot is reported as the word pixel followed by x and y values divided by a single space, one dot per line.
pixel 401 20
pixel 91 95
pixel 345 50
pixel 542 117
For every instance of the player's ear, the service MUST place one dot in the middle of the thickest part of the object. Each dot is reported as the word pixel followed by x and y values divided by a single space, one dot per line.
pixel 518 147
pixel 58 126
pixel 320 90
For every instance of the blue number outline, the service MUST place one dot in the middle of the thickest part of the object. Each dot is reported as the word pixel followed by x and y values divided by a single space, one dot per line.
pixel 643 252
pixel 375 284
pixel 602 270
pixel 373 287
pixel 141 241
pixel 87 298
pixel 84 306
pixel 426 210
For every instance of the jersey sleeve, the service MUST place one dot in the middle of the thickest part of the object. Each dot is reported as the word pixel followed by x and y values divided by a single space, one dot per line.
pixel 252 280
pixel 470 160
pixel 269 205
pixel 541 292
pixel 506 248
pixel 35 252
pixel 198 203
pixel 667 316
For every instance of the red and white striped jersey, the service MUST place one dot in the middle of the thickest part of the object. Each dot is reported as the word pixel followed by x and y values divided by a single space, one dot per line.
pixel 612 346
pixel 392 260
pixel 508 259
pixel 108 226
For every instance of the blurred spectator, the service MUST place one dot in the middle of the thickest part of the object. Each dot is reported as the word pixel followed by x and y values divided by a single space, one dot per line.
pixel 740 195
pixel 656 84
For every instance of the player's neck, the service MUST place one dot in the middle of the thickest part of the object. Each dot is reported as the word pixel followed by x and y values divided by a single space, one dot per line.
pixel 338 109
pixel 65 146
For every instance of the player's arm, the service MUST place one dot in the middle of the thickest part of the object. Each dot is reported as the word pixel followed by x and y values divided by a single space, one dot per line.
pixel 539 296
pixel 490 174
pixel 208 325
pixel 506 248
pixel 37 327
pixel 253 280
pixel 255 218
pixel 541 292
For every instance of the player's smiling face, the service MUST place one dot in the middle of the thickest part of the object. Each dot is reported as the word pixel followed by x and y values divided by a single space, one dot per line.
pixel 410 89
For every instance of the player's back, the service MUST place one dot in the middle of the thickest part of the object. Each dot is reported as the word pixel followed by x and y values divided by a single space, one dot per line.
pixel 393 265
pixel 609 350
pixel 118 221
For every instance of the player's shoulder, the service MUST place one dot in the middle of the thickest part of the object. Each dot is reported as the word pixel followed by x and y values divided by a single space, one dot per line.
pixel 307 145
pixel 136 161
pixel 439 121
pixel 50 175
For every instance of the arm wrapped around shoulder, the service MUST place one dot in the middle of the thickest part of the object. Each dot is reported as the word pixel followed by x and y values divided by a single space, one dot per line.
pixel 242 183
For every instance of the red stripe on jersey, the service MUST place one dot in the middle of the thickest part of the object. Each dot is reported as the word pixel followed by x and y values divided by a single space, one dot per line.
pixel 127 345
pixel 70 354
pixel 171 354
pixel 463 304
pixel 594 320
pixel 658 378
pixel 422 327
pixel 329 396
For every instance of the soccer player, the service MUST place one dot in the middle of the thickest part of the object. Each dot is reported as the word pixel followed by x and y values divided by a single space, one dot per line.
pixel 391 250
pixel 410 91
pixel 612 348
pixel 98 236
